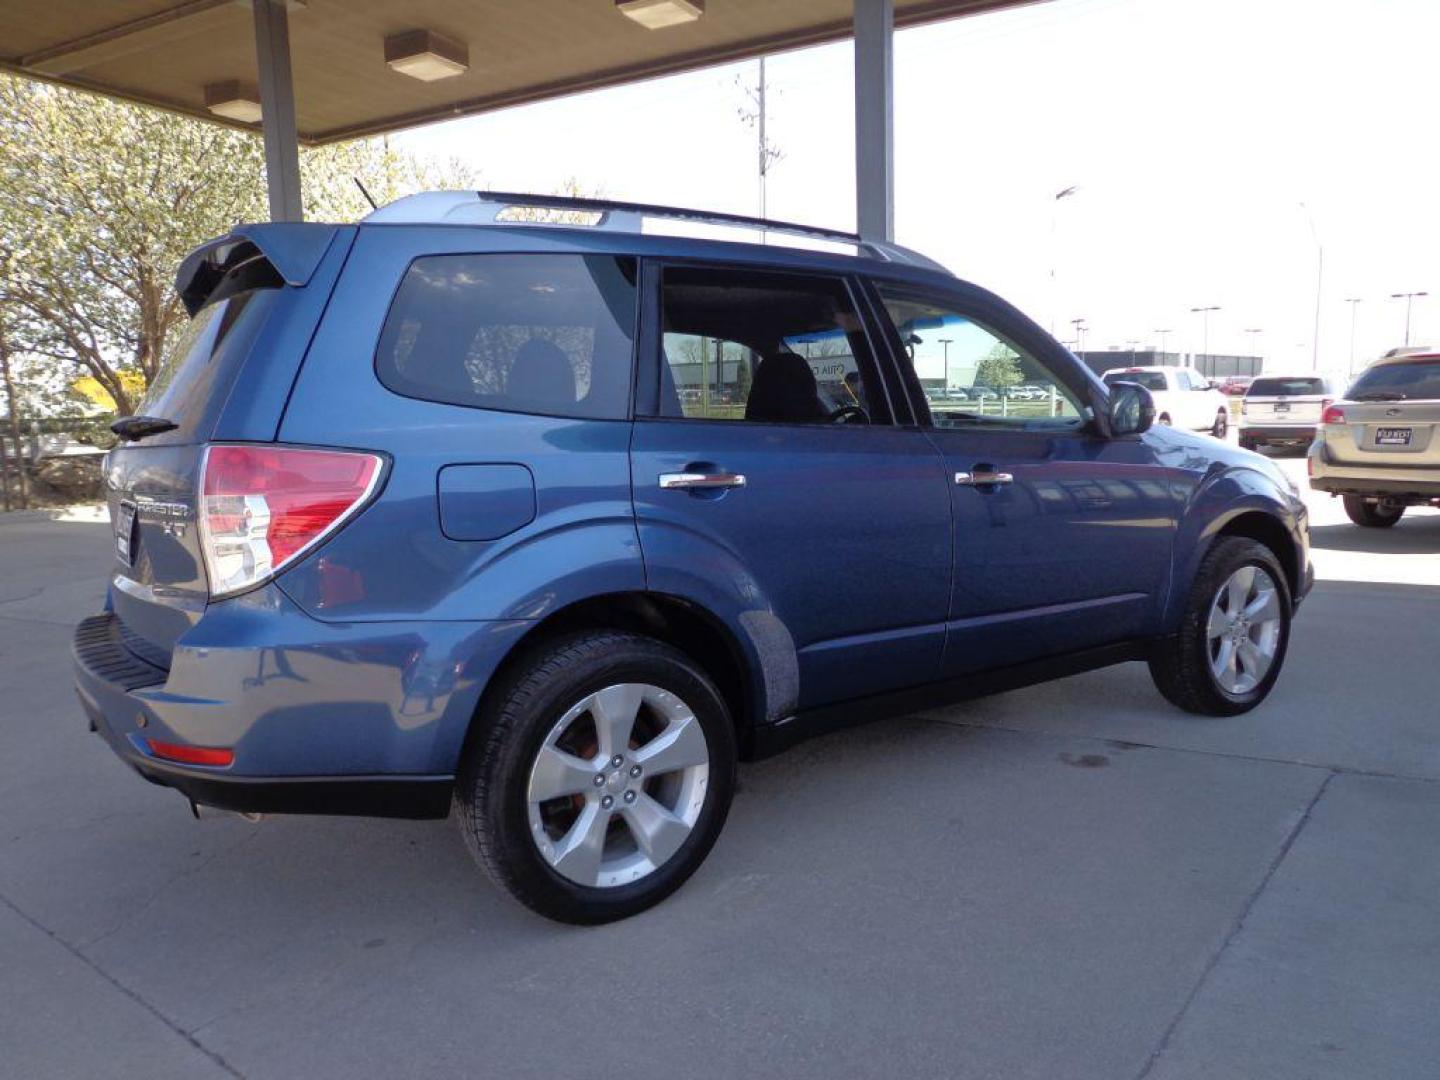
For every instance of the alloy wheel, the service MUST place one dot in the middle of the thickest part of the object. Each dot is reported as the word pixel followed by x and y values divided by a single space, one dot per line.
pixel 618 784
pixel 1243 630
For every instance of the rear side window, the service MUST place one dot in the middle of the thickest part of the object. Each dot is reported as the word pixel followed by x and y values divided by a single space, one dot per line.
pixel 1299 386
pixel 1412 380
pixel 547 334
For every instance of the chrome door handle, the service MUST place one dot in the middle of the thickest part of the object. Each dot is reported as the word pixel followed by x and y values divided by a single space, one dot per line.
pixel 691 481
pixel 982 477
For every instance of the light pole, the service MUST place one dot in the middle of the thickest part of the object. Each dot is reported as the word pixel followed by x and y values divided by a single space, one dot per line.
pixel 1319 281
pixel 1354 302
pixel 1254 332
pixel 945 344
pixel 1054 250
pixel 1165 333
pixel 1080 329
pixel 1204 313
pixel 1409 298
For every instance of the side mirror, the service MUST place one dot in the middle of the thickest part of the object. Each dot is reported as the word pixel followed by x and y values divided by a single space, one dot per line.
pixel 1132 409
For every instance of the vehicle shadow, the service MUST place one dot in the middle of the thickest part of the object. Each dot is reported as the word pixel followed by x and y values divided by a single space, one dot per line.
pixel 1412 536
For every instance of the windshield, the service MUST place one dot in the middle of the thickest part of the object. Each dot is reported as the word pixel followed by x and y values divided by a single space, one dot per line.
pixel 1399 382
pixel 1278 387
pixel 1151 380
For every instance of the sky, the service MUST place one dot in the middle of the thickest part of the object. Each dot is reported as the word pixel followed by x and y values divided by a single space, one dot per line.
pixel 1217 148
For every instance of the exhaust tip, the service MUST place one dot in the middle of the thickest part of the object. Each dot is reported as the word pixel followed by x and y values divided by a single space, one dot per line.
pixel 200 812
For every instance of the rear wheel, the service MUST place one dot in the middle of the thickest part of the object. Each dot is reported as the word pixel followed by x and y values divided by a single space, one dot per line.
pixel 1221 425
pixel 1230 646
pixel 601 778
pixel 1371 514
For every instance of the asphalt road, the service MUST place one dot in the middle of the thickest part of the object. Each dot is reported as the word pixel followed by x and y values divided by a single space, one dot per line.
pixel 1071 881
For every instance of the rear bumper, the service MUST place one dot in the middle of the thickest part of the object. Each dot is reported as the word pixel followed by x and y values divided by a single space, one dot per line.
pixel 1277 433
pixel 1372 479
pixel 322 718
pixel 365 796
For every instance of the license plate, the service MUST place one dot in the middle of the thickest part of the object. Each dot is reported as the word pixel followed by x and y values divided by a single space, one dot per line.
pixel 1392 436
pixel 125 532
pixel 1282 406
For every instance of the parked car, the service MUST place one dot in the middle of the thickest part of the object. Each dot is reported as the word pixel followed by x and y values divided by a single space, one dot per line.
pixel 1379 447
pixel 1235 385
pixel 415 518
pixel 1183 397
pixel 1284 410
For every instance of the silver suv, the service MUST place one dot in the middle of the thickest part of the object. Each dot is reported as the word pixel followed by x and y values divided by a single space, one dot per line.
pixel 1284 410
pixel 1380 446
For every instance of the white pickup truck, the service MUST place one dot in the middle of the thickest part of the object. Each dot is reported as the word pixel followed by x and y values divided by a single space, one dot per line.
pixel 1183 397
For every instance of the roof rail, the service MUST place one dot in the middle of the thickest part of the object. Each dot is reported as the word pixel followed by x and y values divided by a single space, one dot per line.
pixel 484 207
pixel 612 206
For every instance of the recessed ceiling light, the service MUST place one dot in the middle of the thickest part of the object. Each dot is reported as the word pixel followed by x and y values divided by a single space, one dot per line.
pixel 233 100
pixel 658 14
pixel 426 55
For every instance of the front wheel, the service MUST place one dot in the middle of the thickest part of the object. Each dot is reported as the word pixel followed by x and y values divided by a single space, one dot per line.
pixel 1228 651
pixel 1221 425
pixel 1370 514
pixel 600 777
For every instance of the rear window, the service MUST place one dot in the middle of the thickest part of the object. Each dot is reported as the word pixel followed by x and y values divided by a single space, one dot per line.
pixel 201 361
pixel 547 334
pixel 1150 380
pixel 1399 382
pixel 1300 386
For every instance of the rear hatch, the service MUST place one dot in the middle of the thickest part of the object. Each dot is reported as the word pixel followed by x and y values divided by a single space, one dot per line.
pixel 1297 400
pixel 1391 416
pixel 244 294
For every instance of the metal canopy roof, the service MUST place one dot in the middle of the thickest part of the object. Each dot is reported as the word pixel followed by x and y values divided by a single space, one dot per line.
pixel 163 52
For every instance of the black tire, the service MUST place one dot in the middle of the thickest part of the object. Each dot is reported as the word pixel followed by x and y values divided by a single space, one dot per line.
pixel 1221 425
pixel 491 788
pixel 1180 664
pixel 1249 444
pixel 1163 420
pixel 1371 514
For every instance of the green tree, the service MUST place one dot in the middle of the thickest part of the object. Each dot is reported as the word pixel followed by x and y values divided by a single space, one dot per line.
pixel 999 367
pixel 100 200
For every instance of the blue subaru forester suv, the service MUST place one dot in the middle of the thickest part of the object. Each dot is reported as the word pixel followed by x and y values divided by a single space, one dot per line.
pixel 551 510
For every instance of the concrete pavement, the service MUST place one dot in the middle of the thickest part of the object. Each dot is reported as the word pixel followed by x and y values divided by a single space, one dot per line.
pixel 1070 881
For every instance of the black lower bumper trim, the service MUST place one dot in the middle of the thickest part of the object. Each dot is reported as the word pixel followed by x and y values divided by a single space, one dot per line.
pixel 362 796
pixel 1260 436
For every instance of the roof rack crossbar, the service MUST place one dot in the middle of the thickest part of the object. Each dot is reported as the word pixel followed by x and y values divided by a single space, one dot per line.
pixel 712 217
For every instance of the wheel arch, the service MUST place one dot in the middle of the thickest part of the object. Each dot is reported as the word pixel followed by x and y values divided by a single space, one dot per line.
pixel 1240 502
pixel 742 668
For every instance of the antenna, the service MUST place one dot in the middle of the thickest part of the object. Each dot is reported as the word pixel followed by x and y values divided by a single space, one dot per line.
pixel 372 202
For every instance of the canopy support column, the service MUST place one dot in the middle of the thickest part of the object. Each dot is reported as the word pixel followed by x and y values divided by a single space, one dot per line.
pixel 875 119
pixel 277 102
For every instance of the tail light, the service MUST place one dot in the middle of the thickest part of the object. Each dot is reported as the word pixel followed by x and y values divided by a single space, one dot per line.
pixel 1333 414
pixel 262 507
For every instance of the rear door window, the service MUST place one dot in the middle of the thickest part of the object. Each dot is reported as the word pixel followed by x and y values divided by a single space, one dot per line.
pixel 533 333
pixel 765 346
pixel 1299 386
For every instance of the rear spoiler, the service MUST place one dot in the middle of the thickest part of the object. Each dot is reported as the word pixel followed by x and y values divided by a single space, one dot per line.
pixel 275 253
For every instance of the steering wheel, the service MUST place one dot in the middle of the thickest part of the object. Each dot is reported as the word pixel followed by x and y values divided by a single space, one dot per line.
pixel 844 412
